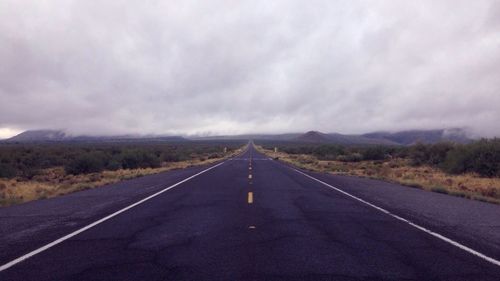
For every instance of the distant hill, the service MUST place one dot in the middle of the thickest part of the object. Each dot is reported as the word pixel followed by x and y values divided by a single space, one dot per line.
pixel 423 136
pixel 335 138
pixel 387 138
pixel 357 139
pixel 39 135
pixel 61 136
pixel 376 138
pixel 309 137
pixel 313 136
pixel 285 137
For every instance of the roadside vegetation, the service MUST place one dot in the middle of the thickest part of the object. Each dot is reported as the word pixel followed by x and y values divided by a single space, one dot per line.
pixel 466 170
pixel 35 171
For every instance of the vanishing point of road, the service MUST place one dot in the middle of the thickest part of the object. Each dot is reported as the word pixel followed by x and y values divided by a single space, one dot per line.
pixel 250 218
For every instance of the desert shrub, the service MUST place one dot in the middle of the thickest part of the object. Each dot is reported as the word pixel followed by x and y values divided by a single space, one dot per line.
pixel 351 157
pixel 214 156
pixel 7 171
pixel 150 160
pixel 418 154
pixel 133 159
pixel 130 160
pixel 170 157
pixel 328 152
pixel 177 154
pixel 430 154
pixel 114 164
pixel 457 161
pixel 296 149
pixel 486 155
pixel 438 152
pixel 29 172
pixel 85 164
pixel 482 157
pixel 26 160
pixel 375 153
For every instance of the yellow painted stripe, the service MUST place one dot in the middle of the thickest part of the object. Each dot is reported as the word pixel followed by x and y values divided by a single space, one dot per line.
pixel 250 197
pixel 250 176
pixel 249 168
pixel 252 227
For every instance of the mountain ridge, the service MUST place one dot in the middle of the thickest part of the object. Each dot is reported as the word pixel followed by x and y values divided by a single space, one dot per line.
pixel 410 137
pixel 407 137
pixel 61 136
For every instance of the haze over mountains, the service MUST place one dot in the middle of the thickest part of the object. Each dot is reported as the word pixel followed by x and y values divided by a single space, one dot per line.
pixel 61 136
pixel 375 138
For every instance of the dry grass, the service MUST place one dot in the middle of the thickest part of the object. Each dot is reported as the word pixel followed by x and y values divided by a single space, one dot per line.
pixel 399 171
pixel 54 182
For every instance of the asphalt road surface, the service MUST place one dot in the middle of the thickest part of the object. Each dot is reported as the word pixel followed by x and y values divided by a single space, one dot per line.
pixel 250 218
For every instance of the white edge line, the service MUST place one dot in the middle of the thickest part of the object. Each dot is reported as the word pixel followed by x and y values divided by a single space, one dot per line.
pixel 72 234
pixel 435 234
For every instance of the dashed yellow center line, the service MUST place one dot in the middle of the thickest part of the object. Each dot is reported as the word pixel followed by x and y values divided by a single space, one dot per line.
pixel 252 227
pixel 250 197
pixel 250 176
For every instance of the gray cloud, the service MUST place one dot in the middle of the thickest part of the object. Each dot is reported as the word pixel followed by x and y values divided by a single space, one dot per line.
pixel 219 67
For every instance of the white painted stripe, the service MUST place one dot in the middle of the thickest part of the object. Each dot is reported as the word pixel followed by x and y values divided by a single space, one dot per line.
pixel 72 234
pixel 435 234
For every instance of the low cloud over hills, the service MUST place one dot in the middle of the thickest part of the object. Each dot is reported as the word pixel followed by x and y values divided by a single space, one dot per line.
pixel 375 138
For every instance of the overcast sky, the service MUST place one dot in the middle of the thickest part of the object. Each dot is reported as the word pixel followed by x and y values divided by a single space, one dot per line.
pixel 228 67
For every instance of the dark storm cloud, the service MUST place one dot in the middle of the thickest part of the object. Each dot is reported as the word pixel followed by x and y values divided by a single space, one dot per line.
pixel 233 67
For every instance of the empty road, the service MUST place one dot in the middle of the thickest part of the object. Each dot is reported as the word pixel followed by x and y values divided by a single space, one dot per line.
pixel 250 218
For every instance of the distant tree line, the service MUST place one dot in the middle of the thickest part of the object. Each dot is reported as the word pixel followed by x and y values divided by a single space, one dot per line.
pixel 26 160
pixel 481 157
pixel 340 152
